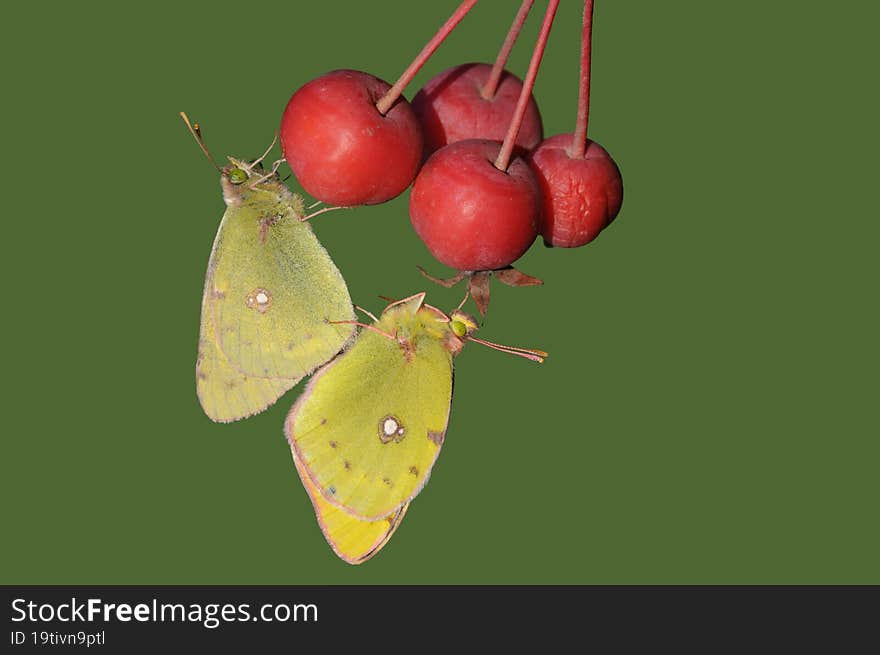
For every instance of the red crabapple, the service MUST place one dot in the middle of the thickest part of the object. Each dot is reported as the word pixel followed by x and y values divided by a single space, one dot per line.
pixel 581 184
pixel 451 107
pixel 341 148
pixel 352 139
pixel 471 215
pixel 581 196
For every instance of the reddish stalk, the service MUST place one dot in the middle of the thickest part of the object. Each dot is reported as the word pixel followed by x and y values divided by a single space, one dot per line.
pixel 391 96
pixel 579 140
pixel 491 85
pixel 503 159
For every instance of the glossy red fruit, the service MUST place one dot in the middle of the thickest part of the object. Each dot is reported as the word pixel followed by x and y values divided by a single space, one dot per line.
pixel 472 216
pixel 341 149
pixel 581 196
pixel 451 107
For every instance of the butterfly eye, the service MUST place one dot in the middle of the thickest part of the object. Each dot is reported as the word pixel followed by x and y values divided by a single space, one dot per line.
pixel 462 324
pixel 237 176
pixel 459 329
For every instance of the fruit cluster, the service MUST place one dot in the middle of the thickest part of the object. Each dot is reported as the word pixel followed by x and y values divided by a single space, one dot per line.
pixel 484 183
pixel 368 427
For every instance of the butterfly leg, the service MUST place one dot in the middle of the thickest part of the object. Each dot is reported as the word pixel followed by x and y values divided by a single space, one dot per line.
pixel 361 309
pixel 263 156
pixel 393 337
pixel 467 294
pixel 268 175
pixel 323 211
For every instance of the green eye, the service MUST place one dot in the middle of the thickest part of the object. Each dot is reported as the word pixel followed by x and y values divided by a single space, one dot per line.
pixel 462 324
pixel 237 176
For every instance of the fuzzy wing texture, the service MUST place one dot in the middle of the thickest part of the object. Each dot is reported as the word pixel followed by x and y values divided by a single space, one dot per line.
pixel 269 291
pixel 273 290
pixel 370 424
pixel 353 540
pixel 227 394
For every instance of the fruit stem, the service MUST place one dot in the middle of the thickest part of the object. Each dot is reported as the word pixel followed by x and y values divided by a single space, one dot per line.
pixel 491 85
pixel 391 96
pixel 503 159
pixel 579 140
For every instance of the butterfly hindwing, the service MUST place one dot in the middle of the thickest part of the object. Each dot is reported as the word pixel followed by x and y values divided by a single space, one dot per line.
pixel 352 539
pixel 226 393
pixel 370 424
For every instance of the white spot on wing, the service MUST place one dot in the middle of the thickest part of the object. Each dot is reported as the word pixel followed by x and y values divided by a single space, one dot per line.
pixel 390 429
pixel 259 299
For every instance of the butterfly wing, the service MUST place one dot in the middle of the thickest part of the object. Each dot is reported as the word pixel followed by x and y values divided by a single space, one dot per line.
pixel 352 539
pixel 273 290
pixel 269 288
pixel 227 394
pixel 370 424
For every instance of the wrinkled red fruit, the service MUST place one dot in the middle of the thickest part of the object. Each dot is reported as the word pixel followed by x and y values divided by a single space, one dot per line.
pixel 472 216
pixel 451 108
pixel 581 196
pixel 341 149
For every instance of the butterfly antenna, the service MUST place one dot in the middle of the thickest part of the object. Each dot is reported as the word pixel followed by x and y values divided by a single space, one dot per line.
pixel 366 327
pixel 361 309
pixel 314 204
pixel 528 353
pixel 387 299
pixel 196 131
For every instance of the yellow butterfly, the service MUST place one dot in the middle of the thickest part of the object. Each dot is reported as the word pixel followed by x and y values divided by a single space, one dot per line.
pixel 270 292
pixel 369 426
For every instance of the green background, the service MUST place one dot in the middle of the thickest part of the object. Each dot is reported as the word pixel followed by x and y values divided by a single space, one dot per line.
pixel 708 413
